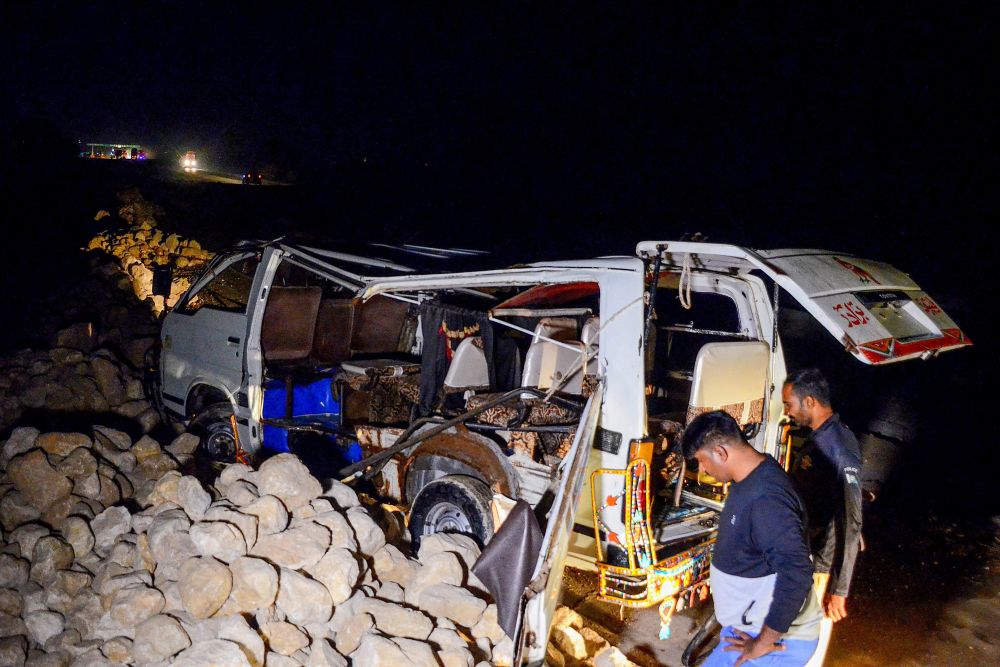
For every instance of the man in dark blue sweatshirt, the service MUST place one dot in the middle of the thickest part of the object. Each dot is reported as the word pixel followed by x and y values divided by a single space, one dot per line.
pixel 761 575
pixel 827 474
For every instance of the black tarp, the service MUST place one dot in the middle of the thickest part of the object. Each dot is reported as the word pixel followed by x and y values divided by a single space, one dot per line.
pixel 508 561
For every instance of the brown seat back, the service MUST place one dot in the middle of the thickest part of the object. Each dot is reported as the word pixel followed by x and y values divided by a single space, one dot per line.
pixel 290 323
pixel 378 324
pixel 334 324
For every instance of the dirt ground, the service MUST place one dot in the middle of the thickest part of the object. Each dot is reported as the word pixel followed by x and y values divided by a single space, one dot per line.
pixel 927 593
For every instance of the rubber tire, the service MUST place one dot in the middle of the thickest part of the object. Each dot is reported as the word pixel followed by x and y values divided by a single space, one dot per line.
pixel 470 495
pixel 208 425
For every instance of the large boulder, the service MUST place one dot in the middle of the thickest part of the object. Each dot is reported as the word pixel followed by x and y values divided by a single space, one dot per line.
pixel 245 523
pixel 193 497
pixel 21 440
pixel 50 554
pixel 107 526
pixel 369 535
pixel 157 638
pixel 396 620
pixel 338 571
pixel 204 585
pixel 219 539
pixel 255 584
pixel 38 481
pixel 286 477
pixel 61 444
pixel 452 602
pixel 376 650
pixel 301 546
pixel 132 605
pixel 215 652
pixel 285 638
pixel 42 625
pixel 14 571
pixel 302 599
pixel 392 565
pixel 76 531
pixel 271 514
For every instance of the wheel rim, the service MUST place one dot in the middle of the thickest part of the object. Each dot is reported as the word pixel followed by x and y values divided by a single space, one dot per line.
pixel 447 517
pixel 220 444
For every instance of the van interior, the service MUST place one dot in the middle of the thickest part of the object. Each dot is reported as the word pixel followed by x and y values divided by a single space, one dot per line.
pixel 343 379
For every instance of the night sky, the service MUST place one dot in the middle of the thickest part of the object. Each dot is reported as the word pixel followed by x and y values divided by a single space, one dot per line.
pixel 769 127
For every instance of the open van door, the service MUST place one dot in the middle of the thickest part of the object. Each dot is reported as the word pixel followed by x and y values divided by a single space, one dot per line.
pixel 542 594
pixel 875 310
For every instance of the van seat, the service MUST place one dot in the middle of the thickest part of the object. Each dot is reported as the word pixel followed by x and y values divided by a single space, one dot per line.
pixel 546 364
pixel 289 324
pixel 332 339
pixel 468 369
pixel 556 328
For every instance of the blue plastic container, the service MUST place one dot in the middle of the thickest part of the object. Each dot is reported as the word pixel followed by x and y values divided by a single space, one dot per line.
pixel 311 402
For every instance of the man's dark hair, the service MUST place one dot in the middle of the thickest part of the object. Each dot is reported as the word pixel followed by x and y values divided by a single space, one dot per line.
pixel 710 429
pixel 810 382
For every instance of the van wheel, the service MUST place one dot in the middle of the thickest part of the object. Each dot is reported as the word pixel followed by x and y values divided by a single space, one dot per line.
pixel 452 504
pixel 213 426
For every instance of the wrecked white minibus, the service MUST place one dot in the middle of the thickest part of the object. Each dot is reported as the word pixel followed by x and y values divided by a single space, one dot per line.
pixel 562 384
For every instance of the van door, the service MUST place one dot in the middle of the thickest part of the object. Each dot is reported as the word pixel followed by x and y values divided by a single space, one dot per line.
pixel 546 580
pixel 875 310
pixel 204 336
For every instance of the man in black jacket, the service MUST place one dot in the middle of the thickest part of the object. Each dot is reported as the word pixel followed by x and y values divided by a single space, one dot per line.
pixel 827 474
pixel 761 575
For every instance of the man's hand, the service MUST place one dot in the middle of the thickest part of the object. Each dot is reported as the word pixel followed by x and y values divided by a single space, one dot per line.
pixel 751 648
pixel 836 607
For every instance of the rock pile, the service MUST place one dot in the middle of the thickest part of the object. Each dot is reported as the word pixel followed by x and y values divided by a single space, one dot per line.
pixel 141 246
pixel 74 377
pixel 572 643
pixel 61 521
pixel 264 567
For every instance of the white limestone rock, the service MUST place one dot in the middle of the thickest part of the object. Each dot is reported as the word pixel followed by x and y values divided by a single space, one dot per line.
pixel 13 571
pixel 241 493
pixel 246 523
pixel 158 638
pixel 271 514
pixel 452 602
pixel 612 657
pixel 341 532
pixel 43 625
pixel 204 585
pixel 220 539
pixel 193 497
pixel 338 571
pixel 368 533
pixel 396 620
pixel 322 654
pixel 255 584
pixel 570 642
pixel 50 554
pixel 301 546
pixel 134 604
pixel 458 656
pixel 76 531
pixel 392 565
pixel 343 496
pixel 302 599
pixel 286 477
pixel 285 638
pixel 215 652
pixel 348 637
pixel 107 526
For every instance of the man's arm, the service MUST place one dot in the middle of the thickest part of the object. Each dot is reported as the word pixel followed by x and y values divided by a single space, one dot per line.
pixel 847 525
